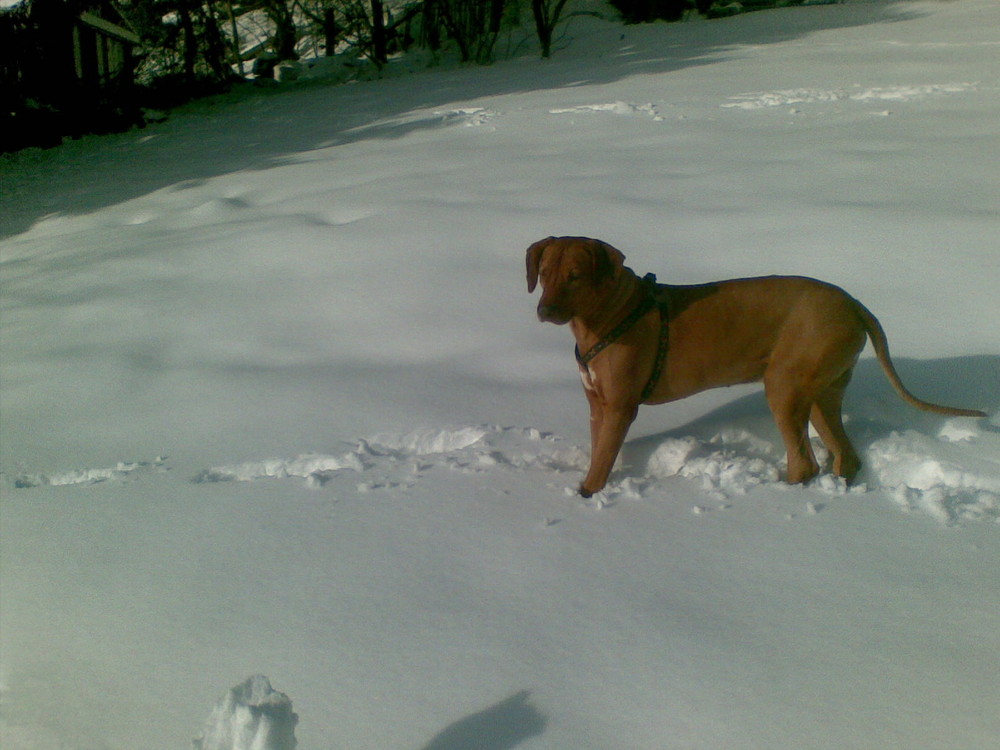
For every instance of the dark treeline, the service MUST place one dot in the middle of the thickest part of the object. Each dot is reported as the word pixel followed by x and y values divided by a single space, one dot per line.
pixel 70 67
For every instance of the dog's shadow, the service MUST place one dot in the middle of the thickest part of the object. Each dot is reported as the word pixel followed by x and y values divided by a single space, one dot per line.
pixel 872 409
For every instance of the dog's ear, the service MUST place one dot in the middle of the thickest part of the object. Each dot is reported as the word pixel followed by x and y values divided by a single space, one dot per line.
pixel 607 260
pixel 533 258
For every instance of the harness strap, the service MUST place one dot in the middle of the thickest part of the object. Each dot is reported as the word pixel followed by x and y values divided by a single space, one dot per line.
pixel 617 332
pixel 648 302
pixel 661 350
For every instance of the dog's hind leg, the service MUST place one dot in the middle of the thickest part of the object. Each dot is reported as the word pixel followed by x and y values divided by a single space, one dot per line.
pixel 791 406
pixel 826 418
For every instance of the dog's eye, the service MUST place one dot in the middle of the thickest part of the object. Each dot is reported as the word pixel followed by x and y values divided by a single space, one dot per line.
pixel 573 276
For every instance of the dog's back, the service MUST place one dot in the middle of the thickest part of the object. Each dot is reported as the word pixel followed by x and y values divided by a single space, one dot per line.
pixel 728 332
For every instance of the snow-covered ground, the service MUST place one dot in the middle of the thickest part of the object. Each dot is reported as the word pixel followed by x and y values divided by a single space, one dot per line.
pixel 274 401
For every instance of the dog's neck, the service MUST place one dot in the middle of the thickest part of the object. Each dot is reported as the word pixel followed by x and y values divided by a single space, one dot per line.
pixel 591 325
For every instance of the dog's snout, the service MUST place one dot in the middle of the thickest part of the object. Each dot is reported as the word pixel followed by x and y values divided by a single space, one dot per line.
pixel 551 314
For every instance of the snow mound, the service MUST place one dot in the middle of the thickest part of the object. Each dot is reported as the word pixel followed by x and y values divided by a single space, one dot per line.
pixel 731 463
pixel 251 716
pixel 314 467
pixel 122 470
pixel 469 116
pixel 615 108
pixel 476 449
pixel 787 97
pixel 952 477
pixel 428 441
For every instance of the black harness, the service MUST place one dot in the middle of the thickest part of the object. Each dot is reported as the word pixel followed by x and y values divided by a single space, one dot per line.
pixel 648 302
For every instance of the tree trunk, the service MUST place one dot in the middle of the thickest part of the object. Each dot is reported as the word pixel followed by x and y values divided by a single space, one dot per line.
pixel 237 54
pixel 190 42
pixel 285 34
pixel 331 31
pixel 546 18
pixel 380 53
pixel 430 25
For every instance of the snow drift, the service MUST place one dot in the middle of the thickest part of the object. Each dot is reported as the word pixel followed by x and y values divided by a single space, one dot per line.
pixel 251 716
pixel 274 401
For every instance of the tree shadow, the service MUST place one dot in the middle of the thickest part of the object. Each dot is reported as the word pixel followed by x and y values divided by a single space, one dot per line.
pixel 270 127
pixel 500 727
pixel 872 409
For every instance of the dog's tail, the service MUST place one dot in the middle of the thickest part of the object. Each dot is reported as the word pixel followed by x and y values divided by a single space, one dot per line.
pixel 881 345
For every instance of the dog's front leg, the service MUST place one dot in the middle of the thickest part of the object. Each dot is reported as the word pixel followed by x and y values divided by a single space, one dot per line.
pixel 596 414
pixel 608 437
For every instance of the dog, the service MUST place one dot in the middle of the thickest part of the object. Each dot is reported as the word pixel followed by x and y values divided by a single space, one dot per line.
pixel 639 342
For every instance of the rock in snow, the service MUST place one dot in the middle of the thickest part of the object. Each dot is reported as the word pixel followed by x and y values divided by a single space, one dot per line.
pixel 251 716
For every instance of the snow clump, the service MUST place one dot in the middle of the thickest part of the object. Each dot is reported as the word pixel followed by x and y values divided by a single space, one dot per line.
pixel 952 477
pixel 251 716
pixel 731 463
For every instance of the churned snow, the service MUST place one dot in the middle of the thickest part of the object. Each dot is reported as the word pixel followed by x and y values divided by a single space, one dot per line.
pixel 251 716
pixel 275 401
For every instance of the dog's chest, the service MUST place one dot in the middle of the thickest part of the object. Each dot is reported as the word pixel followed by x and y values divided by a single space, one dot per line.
pixel 589 377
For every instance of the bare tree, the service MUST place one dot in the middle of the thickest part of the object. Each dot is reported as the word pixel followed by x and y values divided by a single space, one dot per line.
pixel 474 25
pixel 546 14
pixel 430 28
pixel 380 50
pixel 286 36
pixel 364 25
pixel 234 34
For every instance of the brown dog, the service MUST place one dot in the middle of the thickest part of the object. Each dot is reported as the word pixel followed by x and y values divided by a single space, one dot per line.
pixel 642 342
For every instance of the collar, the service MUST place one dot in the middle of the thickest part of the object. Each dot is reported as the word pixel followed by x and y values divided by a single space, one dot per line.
pixel 647 303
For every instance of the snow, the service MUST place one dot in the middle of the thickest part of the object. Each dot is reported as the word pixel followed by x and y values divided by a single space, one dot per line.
pixel 251 716
pixel 275 401
pixel 762 99
pixel 945 481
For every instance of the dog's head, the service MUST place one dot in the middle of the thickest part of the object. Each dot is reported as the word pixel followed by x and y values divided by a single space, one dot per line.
pixel 574 273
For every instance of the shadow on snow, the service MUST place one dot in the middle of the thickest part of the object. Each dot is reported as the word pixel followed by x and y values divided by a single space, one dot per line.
pixel 500 727
pixel 239 132
pixel 872 409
